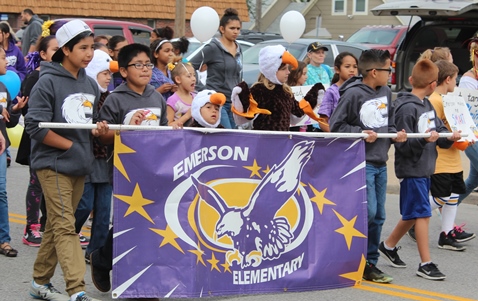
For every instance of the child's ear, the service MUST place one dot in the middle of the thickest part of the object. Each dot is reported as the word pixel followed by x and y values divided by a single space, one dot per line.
pixel 337 70
pixel 177 79
pixel 123 72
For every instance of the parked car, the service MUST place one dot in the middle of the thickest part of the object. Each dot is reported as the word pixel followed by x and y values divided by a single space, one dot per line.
pixel 443 24
pixel 299 50
pixel 133 32
pixel 257 37
pixel 385 37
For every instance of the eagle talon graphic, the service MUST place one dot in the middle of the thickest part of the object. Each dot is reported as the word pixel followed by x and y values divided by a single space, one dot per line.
pixel 259 234
pixel 232 256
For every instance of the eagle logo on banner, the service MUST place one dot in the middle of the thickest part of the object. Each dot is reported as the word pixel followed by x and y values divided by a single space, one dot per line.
pixel 259 235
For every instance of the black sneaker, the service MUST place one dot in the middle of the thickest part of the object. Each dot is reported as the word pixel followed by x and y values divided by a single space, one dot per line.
pixel 448 242
pixel 100 277
pixel 84 241
pixel 87 258
pixel 461 235
pixel 32 236
pixel 372 273
pixel 430 271
pixel 392 256
pixel 411 233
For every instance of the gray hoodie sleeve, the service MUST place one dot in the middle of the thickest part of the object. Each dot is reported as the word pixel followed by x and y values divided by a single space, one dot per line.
pixel 345 115
pixel 411 147
pixel 39 110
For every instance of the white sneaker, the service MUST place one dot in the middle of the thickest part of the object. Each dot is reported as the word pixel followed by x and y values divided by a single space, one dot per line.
pixel 81 296
pixel 47 292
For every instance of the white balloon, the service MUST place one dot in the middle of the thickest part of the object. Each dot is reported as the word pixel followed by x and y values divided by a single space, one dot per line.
pixel 204 23
pixel 292 25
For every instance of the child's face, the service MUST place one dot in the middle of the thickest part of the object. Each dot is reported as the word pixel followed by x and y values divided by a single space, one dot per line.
pixel 165 54
pixel 302 78
pixel 104 78
pixel 452 83
pixel 153 37
pixel 210 113
pixel 187 79
pixel 114 52
pixel 383 75
pixel 137 77
pixel 81 54
pixel 3 62
pixel 283 73
pixel 51 49
pixel 317 57
pixel 348 68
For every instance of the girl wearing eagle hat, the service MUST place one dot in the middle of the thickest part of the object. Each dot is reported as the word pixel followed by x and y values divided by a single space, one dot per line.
pixel 270 102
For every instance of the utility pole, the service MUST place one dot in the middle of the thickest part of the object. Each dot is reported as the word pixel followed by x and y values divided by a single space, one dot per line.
pixel 258 15
pixel 179 23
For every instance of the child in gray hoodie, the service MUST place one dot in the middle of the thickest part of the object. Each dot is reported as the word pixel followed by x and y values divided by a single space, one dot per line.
pixel 365 106
pixel 415 162
pixel 63 157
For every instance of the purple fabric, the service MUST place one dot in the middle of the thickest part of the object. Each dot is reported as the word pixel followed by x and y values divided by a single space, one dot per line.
pixel 16 60
pixel 224 214
pixel 330 101
pixel 158 79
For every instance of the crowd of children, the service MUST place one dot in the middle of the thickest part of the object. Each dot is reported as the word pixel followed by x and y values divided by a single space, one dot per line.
pixel 139 85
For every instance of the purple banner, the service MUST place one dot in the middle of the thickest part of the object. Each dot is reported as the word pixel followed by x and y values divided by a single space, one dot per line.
pixel 199 215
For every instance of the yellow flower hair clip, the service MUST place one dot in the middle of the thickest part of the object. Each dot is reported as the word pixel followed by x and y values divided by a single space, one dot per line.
pixel 46 28
pixel 171 66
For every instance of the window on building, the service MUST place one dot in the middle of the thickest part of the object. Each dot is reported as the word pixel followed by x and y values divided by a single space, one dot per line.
pixel 339 7
pixel 360 7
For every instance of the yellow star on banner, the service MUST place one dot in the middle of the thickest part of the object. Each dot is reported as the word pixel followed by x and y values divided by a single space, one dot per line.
pixel 226 266
pixel 357 275
pixel 319 198
pixel 136 203
pixel 265 171
pixel 213 261
pixel 120 148
pixel 348 230
pixel 254 168
pixel 199 253
pixel 169 237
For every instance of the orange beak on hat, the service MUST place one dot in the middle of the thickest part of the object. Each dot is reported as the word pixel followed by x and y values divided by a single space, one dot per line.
pixel 217 99
pixel 288 58
pixel 114 66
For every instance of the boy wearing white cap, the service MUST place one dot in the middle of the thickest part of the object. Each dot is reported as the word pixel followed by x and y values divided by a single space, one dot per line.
pixel 62 157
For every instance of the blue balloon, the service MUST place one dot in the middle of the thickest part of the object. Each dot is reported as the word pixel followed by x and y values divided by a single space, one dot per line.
pixel 12 81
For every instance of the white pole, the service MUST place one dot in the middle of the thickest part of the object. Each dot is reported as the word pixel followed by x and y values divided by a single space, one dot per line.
pixel 54 125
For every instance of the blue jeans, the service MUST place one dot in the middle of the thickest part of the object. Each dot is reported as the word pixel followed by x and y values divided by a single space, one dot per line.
pixel 376 195
pixel 96 197
pixel 4 224
pixel 472 181
pixel 227 119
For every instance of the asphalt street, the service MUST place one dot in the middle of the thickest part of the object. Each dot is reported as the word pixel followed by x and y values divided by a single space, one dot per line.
pixel 460 267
